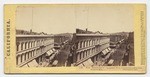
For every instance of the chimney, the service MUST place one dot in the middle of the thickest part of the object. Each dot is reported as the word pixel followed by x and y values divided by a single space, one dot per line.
pixel 30 30
pixel 86 29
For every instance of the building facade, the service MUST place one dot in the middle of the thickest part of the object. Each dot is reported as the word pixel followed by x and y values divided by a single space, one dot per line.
pixel 32 49
pixel 90 49
pixel 116 37
pixel 61 39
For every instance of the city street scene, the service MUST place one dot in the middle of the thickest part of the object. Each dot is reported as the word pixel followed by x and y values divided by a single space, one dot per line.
pixel 74 36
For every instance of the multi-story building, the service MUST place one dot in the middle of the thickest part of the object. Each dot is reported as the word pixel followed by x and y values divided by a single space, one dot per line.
pixel 89 48
pixel 32 49
pixel 116 37
pixel 61 39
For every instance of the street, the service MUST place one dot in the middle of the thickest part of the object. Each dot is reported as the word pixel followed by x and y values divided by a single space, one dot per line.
pixel 118 54
pixel 63 55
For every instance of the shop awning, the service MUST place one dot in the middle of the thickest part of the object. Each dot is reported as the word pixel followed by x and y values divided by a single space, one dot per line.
pixel 44 64
pixel 111 61
pixel 109 49
pixel 25 65
pixel 55 62
pixel 88 62
pixel 81 65
pixel 108 55
pixel 52 57
pixel 53 49
pixel 105 51
pixel 49 52
pixel 33 63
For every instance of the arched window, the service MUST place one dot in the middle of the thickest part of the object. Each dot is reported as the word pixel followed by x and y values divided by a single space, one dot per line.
pixel 84 45
pixel 81 44
pixel 31 44
pixel 21 46
pixel 93 42
pixel 78 56
pixel 82 54
pixel 78 45
pixel 28 45
pixel 31 54
pixel 24 56
pixel 28 55
pixel 25 45
pixel 97 41
pixel 21 58
pixel 87 43
pixel 17 60
pixel 17 46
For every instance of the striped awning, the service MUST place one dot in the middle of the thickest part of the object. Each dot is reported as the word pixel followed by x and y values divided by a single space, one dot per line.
pixel 107 56
pixel 111 61
pixel 109 49
pixel 105 51
pixel 55 62
pixel 88 63
pixel 26 65
pixel 81 65
pixel 33 63
pixel 49 52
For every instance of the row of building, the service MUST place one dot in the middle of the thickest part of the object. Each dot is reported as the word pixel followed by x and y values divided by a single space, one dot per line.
pixel 87 48
pixel 91 48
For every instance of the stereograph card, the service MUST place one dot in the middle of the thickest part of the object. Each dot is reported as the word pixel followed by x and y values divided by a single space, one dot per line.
pixel 75 38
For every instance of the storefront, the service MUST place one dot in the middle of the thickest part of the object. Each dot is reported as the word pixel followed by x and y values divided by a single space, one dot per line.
pixel 33 63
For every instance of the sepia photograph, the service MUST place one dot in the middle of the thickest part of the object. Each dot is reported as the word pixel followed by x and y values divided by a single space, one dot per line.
pixel 74 36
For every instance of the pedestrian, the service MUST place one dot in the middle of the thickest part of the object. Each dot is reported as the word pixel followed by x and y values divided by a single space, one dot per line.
pixel 125 59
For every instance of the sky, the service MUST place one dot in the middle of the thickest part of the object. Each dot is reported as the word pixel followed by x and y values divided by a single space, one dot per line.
pixel 54 19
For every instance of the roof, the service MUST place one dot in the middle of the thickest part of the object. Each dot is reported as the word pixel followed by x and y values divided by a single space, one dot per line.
pixel 92 34
pixel 34 35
